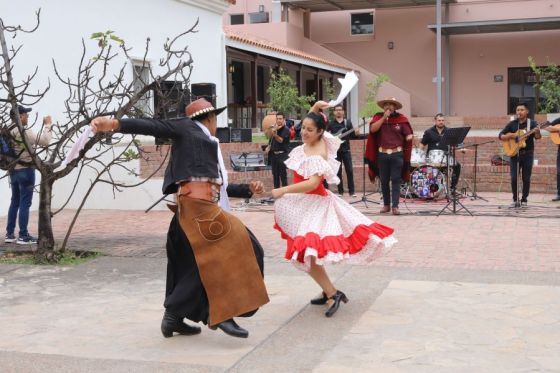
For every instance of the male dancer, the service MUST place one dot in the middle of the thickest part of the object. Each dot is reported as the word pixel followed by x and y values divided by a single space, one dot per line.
pixel 215 265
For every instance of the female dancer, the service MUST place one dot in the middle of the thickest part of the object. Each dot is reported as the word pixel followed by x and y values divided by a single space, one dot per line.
pixel 318 226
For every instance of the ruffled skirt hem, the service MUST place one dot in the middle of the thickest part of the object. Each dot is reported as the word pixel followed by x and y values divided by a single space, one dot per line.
pixel 363 246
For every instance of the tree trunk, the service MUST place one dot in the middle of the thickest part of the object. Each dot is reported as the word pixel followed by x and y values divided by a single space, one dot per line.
pixel 46 250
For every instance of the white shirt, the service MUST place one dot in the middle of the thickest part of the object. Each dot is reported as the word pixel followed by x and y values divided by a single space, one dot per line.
pixel 224 200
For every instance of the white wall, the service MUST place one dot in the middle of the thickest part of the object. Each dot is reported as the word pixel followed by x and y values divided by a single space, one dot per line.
pixel 64 23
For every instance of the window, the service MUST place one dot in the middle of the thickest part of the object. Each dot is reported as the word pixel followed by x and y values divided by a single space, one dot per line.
pixel 141 76
pixel 361 23
pixel 521 87
pixel 237 19
pixel 259 17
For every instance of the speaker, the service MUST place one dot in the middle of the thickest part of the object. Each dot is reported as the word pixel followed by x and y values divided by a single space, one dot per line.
pixel 170 100
pixel 205 90
pixel 241 135
pixel 223 134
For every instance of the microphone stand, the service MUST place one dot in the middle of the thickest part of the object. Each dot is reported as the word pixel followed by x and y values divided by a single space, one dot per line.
pixel 364 198
pixel 474 195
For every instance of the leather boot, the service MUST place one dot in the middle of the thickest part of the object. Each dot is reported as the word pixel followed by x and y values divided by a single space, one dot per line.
pixel 172 323
pixel 320 300
pixel 337 298
pixel 230 327
pixel 385 209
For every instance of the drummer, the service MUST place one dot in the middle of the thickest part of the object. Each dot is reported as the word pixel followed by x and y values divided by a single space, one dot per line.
pixel 432 140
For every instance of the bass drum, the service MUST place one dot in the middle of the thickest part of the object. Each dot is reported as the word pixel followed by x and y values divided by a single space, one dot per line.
pixel 427 182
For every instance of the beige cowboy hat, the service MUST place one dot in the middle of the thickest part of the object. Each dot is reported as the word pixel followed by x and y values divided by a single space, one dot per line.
pixel 390 100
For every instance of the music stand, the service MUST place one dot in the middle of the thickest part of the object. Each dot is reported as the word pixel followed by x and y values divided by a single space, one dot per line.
pixel 364 198
pixel 451 138
pixel 474 195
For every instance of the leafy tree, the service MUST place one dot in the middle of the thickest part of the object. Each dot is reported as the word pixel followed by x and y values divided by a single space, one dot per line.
pixel 371 107
pixel 548 83
pixel 284 95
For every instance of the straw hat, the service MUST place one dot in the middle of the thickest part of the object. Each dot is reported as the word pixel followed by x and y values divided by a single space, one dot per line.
pixel 390 100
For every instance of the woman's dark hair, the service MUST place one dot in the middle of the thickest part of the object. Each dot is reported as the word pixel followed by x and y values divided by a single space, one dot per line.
pixel 319 120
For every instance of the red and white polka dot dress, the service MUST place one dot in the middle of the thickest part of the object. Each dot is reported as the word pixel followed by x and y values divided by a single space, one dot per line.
pixel 322 225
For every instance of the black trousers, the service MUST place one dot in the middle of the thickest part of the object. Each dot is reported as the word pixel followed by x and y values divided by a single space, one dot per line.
pixel 279 173
pixel 390 171
pixel 345 158
pixel 455 175
pixel 524 160
pixel 185 295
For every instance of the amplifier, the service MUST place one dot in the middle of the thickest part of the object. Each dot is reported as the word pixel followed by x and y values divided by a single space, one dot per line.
pixel 241 135
pixel 248 161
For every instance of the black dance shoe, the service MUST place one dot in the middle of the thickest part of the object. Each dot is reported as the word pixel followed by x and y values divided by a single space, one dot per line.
pixel 230 327
pixel 320 300
pixel 337 298
pixel 172 323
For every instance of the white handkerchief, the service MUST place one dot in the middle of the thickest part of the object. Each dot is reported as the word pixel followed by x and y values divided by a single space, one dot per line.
pixel 78 145
pixel 347 83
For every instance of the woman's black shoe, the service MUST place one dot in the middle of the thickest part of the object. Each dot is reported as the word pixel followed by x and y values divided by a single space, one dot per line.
pixel 172 323
pixel 320 300
pixel 230 327
pixel 337 298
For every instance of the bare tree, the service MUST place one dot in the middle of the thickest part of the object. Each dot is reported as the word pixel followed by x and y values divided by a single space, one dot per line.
pixel 99 88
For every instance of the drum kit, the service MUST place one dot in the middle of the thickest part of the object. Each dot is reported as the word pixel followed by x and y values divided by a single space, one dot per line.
pixel 428 178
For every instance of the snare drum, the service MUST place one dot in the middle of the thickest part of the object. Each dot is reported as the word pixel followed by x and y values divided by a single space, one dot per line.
pixel 417 157
pixel 427 182
pixel 437 158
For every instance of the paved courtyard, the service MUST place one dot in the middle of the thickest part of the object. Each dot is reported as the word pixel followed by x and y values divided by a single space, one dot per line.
pixel 458 293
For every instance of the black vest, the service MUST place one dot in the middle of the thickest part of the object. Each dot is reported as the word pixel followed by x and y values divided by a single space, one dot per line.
pixel 193 154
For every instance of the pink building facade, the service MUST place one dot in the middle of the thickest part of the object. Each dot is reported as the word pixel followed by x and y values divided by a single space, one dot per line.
pixel 484 55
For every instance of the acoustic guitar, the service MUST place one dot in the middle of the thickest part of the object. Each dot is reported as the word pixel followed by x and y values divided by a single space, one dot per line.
pixel 555 136
pixel 513 146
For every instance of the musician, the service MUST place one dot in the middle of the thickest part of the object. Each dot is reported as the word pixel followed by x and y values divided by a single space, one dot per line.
pixel 338 126
pixel 432 141
pixel 523 161
pixel 278 150
pixel 388 151
pixel 555 128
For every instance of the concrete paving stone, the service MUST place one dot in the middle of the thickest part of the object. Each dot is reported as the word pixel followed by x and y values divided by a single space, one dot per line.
pixel 491 333
pixel 455 294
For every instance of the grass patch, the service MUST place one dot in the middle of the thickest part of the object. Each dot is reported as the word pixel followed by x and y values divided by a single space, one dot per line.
pixel 260 139
pixel 68 258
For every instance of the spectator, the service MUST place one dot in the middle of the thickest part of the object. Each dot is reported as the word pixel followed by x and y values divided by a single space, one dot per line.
pixel 22 177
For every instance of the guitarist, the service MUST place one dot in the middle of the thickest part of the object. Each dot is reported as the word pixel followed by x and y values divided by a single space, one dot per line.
pixel 523 161
pixel 555 128
pixel 337 126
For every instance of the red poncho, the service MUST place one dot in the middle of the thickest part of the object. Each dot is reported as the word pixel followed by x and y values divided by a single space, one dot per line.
pixel 372 147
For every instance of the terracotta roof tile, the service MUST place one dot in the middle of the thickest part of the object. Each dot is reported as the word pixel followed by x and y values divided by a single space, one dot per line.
pixel 250 39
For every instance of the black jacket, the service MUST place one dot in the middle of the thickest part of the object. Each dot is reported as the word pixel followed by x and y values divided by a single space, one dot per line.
pixel 193 154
